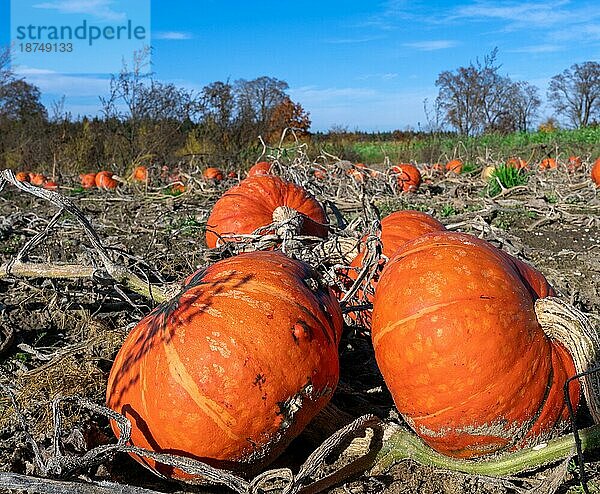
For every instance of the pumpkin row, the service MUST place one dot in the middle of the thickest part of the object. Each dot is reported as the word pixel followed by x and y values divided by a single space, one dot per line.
pixel 236 365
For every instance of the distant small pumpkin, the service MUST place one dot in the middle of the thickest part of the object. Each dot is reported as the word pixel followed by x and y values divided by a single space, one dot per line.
pixel 213 173
pixel 88 180
pixel 50 185
pixel 105 180
pixel 140 174
pixel 408 177
pixel 548 163
pixel 22 177
pixel 37 179
pixel 455 166
pixel 517 163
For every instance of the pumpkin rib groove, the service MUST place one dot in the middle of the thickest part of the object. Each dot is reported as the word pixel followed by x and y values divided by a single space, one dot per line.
pixel 417 315
pixel 211 409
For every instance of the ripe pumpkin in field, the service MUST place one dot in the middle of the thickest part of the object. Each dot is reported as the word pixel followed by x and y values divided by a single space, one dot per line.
pixel 213 174
pixel 253 203
pixel 548 163
pixel 319 173
pixel 234 367
pixel 408 177
pixel 396 229
pixel 50 185
pixel 140 174
pixel 260 169
pixel 460 348
pixel 22 176
pixel 455 166
pixel 517 163
pixel 105 180
pixel 37 179
pixel 595 174
pixel 88 180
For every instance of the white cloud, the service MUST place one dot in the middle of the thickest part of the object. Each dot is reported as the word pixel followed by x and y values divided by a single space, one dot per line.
pixel 432 45
pixel 533 49
pixel 101 9
pixel 559 18
pixel 384 76
pixel 348 41
pixel 172 35
pixel 54 83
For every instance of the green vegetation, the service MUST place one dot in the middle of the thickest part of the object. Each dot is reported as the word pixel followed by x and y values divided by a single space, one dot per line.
pixel 431 148
pixel 505 177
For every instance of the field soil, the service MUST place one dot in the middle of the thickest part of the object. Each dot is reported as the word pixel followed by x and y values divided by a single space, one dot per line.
pixel 59 336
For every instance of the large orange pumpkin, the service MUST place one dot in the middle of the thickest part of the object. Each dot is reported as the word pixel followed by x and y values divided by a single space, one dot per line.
pixel 408 177
pixel 596 172
pixel 213 173
pixel 234 367
pixel 396 229
pixel 260 169
pixel 105 180
pixel 459 346
pixel 250 205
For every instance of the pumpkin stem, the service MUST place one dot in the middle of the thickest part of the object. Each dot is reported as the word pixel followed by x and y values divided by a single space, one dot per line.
pixel 563 322
pixel 400 444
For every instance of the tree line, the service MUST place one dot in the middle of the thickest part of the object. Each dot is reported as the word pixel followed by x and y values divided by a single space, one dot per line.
pixel 477 99
pixel 144 120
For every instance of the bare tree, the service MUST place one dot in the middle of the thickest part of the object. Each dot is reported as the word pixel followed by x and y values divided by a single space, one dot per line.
pixel 524 104
pixel 257 99
pixel 477 98
pixel 575 93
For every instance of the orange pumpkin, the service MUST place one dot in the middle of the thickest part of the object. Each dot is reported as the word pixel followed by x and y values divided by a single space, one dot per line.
pixel 50 185
pixel 105 180
pixel 459 346
pixel 140 174
pixel 250 205
pixel 455 166
pixel 517 163
pixel 396 229
pixel 213 174
pixel 88 180
pixel 22 176
pixel 596 172
pixel 232 175
pixel 408 177
pixel 574 163
pixel 260 169
pixel 548 163
pixel 234 367
pixel 37 179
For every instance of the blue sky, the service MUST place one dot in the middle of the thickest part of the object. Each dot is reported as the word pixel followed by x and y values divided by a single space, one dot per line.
pixel 362 65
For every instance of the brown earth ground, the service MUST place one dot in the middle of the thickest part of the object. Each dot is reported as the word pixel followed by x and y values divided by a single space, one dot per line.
pixel 60 336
